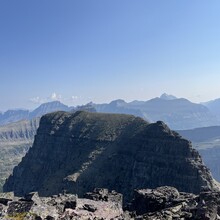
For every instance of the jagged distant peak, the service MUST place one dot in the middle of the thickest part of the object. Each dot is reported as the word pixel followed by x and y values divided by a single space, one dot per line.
pixel 166 96
pixel 87 107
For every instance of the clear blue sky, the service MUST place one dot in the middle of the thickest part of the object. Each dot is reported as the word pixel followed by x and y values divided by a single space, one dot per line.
pixel 100 50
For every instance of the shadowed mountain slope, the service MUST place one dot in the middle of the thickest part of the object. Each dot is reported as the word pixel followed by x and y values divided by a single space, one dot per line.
pixel 80 151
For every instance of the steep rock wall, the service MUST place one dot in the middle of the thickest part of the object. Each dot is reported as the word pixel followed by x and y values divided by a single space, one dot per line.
pixel 80 151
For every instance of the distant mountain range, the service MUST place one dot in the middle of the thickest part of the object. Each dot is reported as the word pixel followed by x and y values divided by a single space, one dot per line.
pixel 18 127
pixel 178 113
pixel 17 115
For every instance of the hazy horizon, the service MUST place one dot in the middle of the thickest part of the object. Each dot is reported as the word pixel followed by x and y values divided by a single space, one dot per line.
pixel 81 51
pixel 67 102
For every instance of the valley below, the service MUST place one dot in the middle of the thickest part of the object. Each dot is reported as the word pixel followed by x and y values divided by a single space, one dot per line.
pixel 207 141
pixel 15 140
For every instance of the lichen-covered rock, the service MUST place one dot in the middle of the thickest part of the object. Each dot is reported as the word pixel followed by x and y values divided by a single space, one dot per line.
pixel 80 151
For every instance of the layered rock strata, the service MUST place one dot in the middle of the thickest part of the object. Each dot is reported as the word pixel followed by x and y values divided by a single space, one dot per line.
pixel 15 140
pixel 81 151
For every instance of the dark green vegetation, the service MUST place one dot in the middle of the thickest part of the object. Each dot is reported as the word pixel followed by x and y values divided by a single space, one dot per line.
pixel 80 151
pixel 15 140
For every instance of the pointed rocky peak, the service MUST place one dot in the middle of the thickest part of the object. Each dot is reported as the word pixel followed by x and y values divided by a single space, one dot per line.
pixel 160 129
pixel 89 107
pixel 165 96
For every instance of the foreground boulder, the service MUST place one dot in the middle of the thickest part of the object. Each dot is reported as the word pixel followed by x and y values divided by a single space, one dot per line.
pixel 151 200
pixel 167 203
pixel 80 151
pixel 162 203
pixel 62 206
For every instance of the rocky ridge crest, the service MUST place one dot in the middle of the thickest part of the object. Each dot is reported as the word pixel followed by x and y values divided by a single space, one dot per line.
pixel 80 151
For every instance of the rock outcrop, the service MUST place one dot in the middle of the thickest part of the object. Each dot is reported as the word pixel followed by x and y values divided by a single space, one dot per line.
pixel 81 151
pixel 162 203
pixel 167 203
pixel 62 206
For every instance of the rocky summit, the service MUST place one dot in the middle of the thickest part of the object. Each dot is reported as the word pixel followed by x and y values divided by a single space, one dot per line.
pixel 80 151
pixel 162 203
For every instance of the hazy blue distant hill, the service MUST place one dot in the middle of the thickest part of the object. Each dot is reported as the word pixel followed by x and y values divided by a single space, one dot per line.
pixel 119 106
pixel 178 113
pixel 202 134
pixel 167 97
pixel 214 106
pixel 47 108
pixel 11 116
